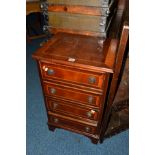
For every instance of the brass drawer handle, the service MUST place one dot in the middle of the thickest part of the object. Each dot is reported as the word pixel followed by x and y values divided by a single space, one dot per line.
pixel 90 113
pixel 90 99
pixel 92 80
pixel 55 105
pixel 87 129
pixel 49 71
pixel 53 91
pixel 56 120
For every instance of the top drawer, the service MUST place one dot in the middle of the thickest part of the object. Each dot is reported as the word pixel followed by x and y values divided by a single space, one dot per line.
pixel 97 3
pixel 92 79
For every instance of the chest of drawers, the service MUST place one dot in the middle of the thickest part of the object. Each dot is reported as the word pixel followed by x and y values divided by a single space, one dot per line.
pixel 75 73
pixel 79 65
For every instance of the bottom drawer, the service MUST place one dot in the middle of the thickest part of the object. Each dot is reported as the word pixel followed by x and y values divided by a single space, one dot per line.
pixel 71 124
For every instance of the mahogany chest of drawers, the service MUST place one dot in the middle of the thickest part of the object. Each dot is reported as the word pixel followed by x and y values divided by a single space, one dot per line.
pixel 75 73
pixel 79 66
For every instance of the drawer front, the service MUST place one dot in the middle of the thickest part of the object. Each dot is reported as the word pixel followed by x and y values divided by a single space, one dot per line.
pixel 71 75
pixel 71 21
pixel 71 110
pixel 62 92
pixel 66 123
pixel 98 3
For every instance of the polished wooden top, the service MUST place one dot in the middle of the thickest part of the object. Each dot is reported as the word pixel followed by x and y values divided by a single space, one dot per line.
pixel 80 51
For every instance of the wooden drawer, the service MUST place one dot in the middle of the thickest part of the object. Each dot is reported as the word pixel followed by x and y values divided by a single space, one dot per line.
pixel 70 123
pixel 69 93
pixel 97 3
pixel 71 75
pixel 72 110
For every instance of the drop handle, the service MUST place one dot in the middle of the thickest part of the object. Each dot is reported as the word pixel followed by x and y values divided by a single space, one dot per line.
pixel 53 91
pixel 90 113
pixel 92 80
pixel 49 71
pixel 90 99
pixel 55 105
pixel 87 129
pixel 56 120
